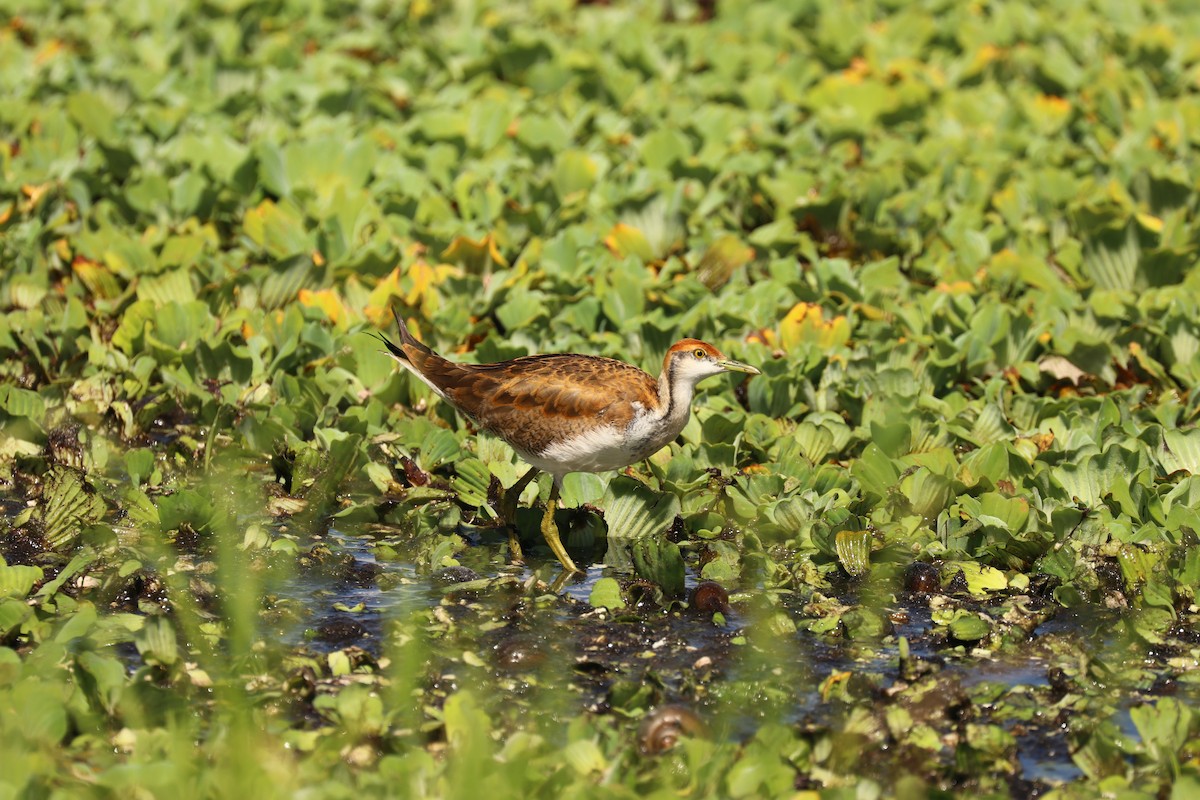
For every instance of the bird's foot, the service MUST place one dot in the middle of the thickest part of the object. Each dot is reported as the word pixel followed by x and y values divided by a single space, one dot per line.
pixel 514 545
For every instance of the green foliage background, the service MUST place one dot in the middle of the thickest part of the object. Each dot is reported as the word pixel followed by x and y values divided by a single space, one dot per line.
pixel 958 238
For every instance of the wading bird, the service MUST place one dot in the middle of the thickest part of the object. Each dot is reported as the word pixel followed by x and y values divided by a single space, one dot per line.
pixel 568 412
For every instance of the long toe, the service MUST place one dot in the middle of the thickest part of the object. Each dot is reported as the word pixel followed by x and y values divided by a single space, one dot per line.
pixel 514 546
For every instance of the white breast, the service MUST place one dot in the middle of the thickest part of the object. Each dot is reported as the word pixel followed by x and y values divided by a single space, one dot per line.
pixel 593 450
pixel 607 447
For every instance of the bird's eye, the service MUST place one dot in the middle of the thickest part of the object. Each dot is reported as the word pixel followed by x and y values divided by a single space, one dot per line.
pixel 699 353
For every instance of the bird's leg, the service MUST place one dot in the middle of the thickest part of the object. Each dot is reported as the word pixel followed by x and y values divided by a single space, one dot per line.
pixel 512 496
pixel 550 533
pixel 514 546
pixel 508 511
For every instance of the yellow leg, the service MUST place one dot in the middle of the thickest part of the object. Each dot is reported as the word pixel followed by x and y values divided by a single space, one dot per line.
pixel 550 533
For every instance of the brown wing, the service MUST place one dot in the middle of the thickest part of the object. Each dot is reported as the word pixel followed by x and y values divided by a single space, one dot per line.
pixel 529 401
pixel 532 400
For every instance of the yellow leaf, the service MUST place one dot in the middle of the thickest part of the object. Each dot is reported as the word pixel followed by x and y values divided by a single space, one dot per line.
pixel 425 277
pixel 1052 104
pixel 858 69
pixel 1150 222
pixel 1119 195
pixel 724 257
pixel 833 681
pixel 379 302
pixel 327 300
pixel 1169 132
pixel 872 312
pixel 957 287
pixel 475 255
pixel 762 336
pixel 34 193
pixel 96 277
pixel 626 240
pixel 48 51
pixel 985 55
pixel 806 324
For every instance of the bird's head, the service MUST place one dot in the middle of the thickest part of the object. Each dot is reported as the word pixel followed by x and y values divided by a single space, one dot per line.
pixel 693 360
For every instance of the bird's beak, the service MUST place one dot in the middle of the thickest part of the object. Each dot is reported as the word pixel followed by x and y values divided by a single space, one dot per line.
pixel 730 365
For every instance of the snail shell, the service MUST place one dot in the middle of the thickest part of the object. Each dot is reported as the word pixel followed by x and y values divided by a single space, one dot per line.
pixel 709 597
pixel 518 654
pixel 663 726
pixel 922 577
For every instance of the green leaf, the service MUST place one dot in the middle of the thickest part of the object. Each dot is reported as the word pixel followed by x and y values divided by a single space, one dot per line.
pixel 68 504
pixel 968 627
pixel 547 133
pixel 815 442
pixel 283 283
pixel 22 403
pixel 980 578
pixel 865 624
pixel 575 172
pixel 41 708
pixel 1183 451
pixel 633 511
pixel 17 580
pixel 621 291
pixel 338 464
pixel 471 482
pixel 170 286
pixel 180 327
pixel 854 551
pixel 875 471
pixel 13 612
pixel 659 561
pixel 606 593
pixel 94 114
pixel 928 492
pixel 139 463
pixel 437 447
pixel 1163 726
pixel 1010 513
pixel 664 148
pixel 128 336
pixel 467 725
pixel 279 229
pixel 185 507
pixel 108 677
pixel 156 641
pixel 585 757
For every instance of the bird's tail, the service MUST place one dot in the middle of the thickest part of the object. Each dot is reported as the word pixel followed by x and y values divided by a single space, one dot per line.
pixel 434 371
pixel 406 337
pixel 406 340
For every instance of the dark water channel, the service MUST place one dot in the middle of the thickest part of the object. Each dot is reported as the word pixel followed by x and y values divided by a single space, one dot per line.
pixel 352 604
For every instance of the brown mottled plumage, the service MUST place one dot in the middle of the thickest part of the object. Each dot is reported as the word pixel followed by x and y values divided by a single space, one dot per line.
pixel 569 412
pixel 565 391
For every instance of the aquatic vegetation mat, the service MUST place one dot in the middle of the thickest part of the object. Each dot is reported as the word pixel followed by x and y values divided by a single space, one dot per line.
pixel 945 543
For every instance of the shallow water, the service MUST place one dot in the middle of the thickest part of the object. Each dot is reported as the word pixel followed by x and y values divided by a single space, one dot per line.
pixel 606 648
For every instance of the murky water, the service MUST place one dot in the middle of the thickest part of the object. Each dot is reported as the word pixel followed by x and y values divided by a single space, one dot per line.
pixel 349 607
